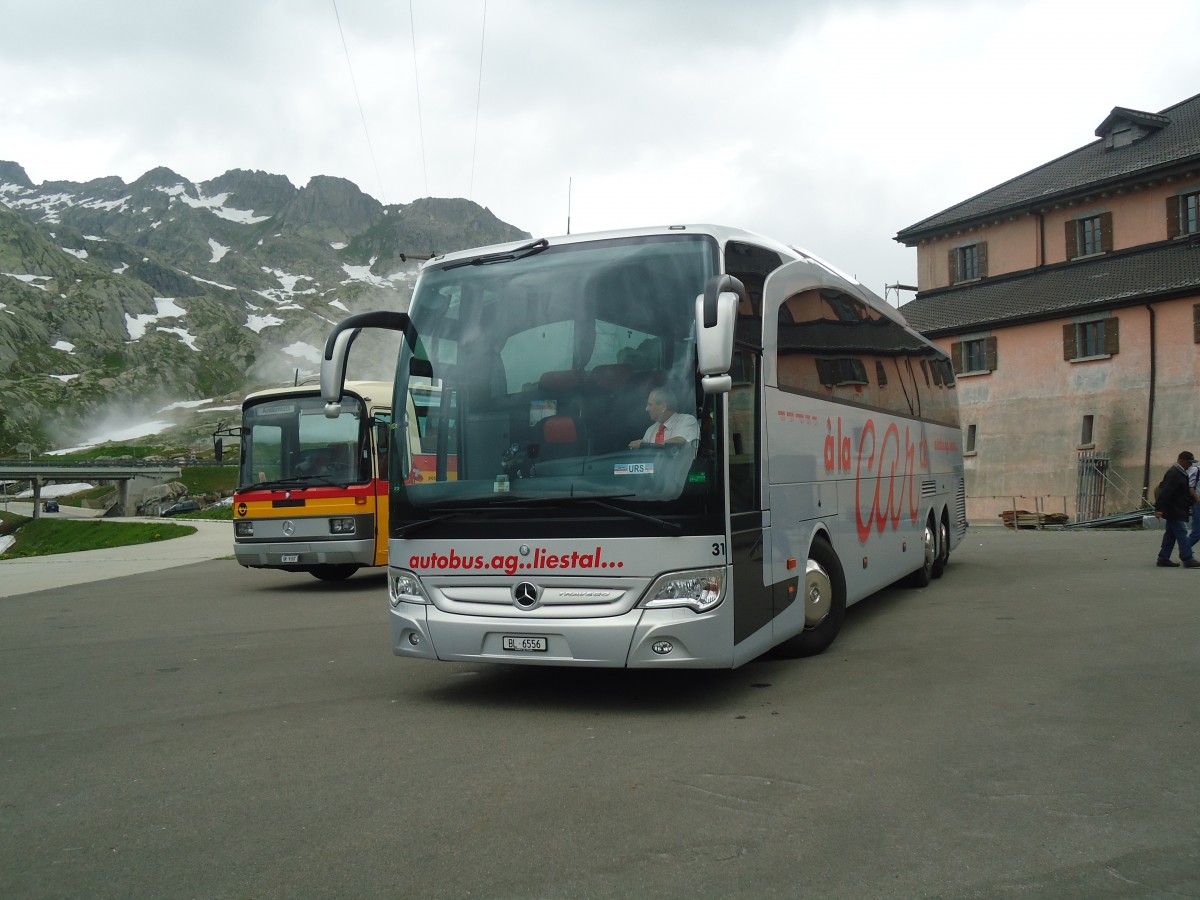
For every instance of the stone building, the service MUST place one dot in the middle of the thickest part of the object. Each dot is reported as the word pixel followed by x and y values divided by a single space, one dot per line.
pixel 1069 301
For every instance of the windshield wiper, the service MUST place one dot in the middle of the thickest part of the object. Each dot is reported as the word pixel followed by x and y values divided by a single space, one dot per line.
pixel 508 256
pixel 406 530
pixel 298 481
pixel 594 499
pixel 665 524
pixel 273 483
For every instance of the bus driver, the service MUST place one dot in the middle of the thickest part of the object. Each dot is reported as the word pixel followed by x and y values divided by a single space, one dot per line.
pixel 669 426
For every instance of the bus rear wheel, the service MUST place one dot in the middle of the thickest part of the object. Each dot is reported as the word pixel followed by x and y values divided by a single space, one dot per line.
pixel 332 572
pixel 929 553
pixel 943 550
pixel 823 594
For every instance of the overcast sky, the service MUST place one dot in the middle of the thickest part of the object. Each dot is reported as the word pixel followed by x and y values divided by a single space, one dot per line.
pixel 827 124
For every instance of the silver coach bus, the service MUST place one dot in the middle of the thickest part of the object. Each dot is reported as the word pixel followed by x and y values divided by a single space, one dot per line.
pixel 824 463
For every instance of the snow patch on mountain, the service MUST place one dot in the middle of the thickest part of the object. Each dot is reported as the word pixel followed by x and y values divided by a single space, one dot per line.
pixel 215 205
pixel 167 309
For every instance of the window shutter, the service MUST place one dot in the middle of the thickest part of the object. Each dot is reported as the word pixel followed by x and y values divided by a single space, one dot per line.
pixel 1069 345
pixel 956 355
pixel 1106 232
pixel 1196 323
pixel 825 372
pixel 952 266
pixel 1173 218
pixel 989 353
pixel 1112 336
pixel 983 259
pixel 1072 240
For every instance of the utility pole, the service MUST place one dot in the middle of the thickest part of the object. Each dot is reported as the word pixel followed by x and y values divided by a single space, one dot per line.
pixel 888 288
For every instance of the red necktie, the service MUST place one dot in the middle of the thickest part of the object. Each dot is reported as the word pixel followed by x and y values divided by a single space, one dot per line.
pixel 661 435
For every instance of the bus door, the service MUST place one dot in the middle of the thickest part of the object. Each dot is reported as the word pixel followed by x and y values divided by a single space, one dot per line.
pixel 379 437
pixel 753 600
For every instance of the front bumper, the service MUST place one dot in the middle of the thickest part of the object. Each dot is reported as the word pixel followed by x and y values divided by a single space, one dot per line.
pixel 303 555
pixel 702 641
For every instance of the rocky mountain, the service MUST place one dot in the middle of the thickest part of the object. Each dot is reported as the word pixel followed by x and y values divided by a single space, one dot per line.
pixel 168 299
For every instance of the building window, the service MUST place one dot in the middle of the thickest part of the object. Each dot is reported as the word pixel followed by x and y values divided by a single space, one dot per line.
pixel 974 356
pixel 970 443
pixel 1183 214
pixel 1095 339
pixel 968 263
pixel 1090 337
pixel 1089 235
pixel 1087 438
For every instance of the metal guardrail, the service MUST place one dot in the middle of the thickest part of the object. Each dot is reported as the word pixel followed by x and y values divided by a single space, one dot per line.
pixel 54 472
pixel 39 473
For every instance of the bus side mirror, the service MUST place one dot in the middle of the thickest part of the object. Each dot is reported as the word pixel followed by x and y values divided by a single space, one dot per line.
pixel 716 318
pixel 381 438
pixel 337 350
pixel 219 436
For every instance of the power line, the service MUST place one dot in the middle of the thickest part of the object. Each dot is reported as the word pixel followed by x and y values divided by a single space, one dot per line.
pixel 358 100
pixel 417 79
pixel 478 96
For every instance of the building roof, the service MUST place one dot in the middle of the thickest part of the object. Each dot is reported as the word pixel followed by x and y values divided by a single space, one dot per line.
pixel 1161 141
pixel 1140 275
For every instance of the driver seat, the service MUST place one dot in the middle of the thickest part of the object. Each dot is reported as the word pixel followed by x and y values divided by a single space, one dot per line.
pixel 560 436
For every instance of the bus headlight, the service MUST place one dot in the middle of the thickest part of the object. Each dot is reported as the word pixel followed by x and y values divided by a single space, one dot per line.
pixel 243 529
pixel 405 587
pixel 341 526
pixel 699 590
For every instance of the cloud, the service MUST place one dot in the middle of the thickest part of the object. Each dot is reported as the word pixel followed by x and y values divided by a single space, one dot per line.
pixel 828 124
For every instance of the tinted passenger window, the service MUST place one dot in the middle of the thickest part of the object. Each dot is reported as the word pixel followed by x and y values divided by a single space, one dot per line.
pixel 835 346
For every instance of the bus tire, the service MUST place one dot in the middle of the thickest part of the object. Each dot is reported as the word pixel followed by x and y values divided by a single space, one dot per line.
pixel 921 577
pixel 331 572
pixel 943 549
pixel 823 594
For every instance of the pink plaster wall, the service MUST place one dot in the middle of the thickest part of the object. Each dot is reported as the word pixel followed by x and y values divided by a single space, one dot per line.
pixel 1139 217
pixel 1029 412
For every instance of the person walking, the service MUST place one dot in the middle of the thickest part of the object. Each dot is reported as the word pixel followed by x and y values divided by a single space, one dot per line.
pixel 1173 504
pixel 1194 487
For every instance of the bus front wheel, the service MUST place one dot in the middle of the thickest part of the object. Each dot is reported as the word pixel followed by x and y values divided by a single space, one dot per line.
pixel 332 572
pixel 823 594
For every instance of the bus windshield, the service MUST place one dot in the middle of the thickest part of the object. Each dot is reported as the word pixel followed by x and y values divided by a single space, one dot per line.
pixel 529 377
pixel 288 441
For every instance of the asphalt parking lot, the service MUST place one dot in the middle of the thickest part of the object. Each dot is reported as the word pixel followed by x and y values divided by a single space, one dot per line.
pixel 1025 727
